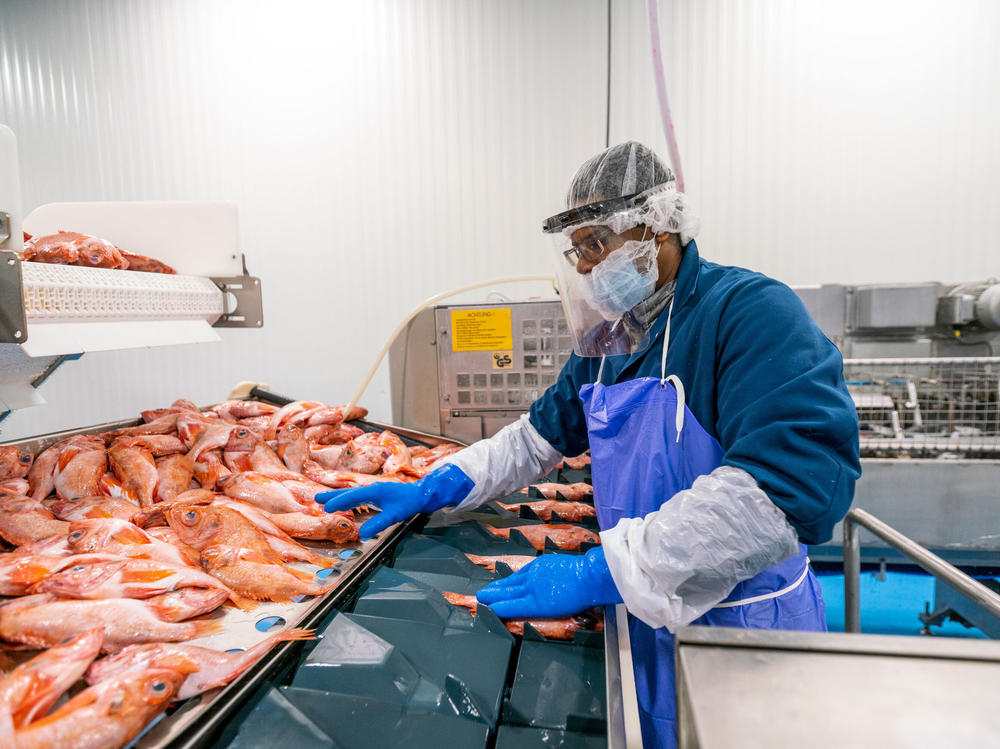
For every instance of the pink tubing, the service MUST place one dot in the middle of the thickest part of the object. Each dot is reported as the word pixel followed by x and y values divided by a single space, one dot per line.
pixel 661 92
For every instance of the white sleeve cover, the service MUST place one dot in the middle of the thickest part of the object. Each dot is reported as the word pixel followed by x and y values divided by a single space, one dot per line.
pixel 676 563
pixel 511 459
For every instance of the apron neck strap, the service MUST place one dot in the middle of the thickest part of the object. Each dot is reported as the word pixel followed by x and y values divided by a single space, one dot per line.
pixel 666 342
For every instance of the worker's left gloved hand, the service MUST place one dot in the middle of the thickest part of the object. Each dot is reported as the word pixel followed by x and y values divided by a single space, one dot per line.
pixel 553 585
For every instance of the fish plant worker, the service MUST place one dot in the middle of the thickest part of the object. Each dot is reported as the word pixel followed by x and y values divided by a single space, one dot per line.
pixel 721 433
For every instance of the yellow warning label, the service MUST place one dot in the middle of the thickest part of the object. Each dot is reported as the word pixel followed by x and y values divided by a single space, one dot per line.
pixel 481 330
pixel 503 360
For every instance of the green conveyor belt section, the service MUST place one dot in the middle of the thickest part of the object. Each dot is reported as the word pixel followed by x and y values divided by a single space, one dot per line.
pixel 403 667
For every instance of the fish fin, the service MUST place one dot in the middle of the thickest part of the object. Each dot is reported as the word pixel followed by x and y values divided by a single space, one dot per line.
pixel 129 535
pixel 242 602
pixel 295 634
pixel 207 627
pixel 145 576
pixel 304 576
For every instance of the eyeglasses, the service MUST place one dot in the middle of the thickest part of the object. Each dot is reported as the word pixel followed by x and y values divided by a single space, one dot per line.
pixel 591 249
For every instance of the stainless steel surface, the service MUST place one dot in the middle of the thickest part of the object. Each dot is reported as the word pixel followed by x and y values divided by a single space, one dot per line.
pixel 480 391
pixel 13 325
pixel 852 576
pixel 880 307
pixel 767 689
pixel 4 226
pixel 931 563
pixel 613 689
pixel 988 308
pixel 413 375
pixel 939 503
pixel 248 311
pixel 196 721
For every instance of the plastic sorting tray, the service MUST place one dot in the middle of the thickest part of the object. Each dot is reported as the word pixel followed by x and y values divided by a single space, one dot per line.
pixel 425 667
pixel 276 722
pixel 523 737
pixel 354 722
pixel 424 554
pixel 558 686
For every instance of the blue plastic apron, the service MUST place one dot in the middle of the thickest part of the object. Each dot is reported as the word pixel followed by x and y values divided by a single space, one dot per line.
pixel 645 446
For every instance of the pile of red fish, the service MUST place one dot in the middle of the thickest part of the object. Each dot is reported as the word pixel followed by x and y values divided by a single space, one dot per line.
pixel 72 248
pixel 123 538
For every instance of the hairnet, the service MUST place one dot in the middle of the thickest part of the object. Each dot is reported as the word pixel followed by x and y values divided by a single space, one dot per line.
pixel 627 169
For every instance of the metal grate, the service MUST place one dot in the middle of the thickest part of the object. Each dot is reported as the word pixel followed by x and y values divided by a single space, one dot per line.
pixel 927 405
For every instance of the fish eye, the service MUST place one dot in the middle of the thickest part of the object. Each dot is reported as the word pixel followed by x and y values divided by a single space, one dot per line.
pixel 75 535
pixel 79 567
pixel 190 516
pixel 242 433
pixel 25 458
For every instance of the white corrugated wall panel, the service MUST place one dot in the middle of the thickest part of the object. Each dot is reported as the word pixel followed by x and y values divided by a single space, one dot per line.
pixel 850 141
pixel 380 152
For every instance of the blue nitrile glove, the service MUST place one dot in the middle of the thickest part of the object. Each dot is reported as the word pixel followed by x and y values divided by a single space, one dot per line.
pixel 553 585
pixel 447 485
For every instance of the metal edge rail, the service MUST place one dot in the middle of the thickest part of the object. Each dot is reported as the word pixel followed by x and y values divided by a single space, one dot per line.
pixel 947 573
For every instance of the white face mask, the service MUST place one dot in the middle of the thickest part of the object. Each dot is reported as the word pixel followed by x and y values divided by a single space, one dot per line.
pixel 623 279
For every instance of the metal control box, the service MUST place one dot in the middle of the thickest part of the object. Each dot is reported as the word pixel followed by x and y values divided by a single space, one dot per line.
pixel 494 361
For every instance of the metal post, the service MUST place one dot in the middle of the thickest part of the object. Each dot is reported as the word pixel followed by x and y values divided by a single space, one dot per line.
pixel 852 575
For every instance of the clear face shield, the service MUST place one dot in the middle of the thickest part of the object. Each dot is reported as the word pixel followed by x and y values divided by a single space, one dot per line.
pixel 606 264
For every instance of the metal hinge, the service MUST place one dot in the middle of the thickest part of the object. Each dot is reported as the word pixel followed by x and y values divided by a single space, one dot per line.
pixel 13 324
pixel 243 305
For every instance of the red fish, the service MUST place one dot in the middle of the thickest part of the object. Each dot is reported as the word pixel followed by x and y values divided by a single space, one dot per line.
pixel 126 578
pixel 214 668
pixel 572 492
pixel 14 488
pixel 345 479
pixel 42 621
pixel 85 508
pixel 30 690
pixel 146 264
pixel 79 468
pixel 514 561
pixel 15 462
pixel 264 492
pixel 435 454
pixel 174 474
pixel 23 520
pixel 327 434
pixel 113 536
pixel 561 628
pixel 107 715
pixel 574 512
pixel 578 463
pixel 234 410
pixel 567 537
pixel 293 448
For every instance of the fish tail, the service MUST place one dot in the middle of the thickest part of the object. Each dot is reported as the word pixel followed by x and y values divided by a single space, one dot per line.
pixel 206 627
pixel 296 634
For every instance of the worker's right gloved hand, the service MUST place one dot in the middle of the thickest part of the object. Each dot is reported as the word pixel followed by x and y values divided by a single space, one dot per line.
pixel 447 485
pixel 553 585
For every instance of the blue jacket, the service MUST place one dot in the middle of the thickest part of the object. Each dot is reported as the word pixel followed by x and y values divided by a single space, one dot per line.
pixel 759 376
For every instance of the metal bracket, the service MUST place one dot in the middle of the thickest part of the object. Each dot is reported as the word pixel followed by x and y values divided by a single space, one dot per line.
pixel 4 226
pixel 248 310
pixel 13 325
